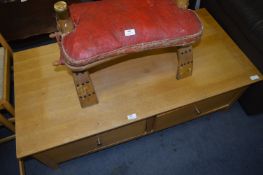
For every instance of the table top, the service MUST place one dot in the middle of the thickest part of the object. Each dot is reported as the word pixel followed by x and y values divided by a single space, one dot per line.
pixel 48 113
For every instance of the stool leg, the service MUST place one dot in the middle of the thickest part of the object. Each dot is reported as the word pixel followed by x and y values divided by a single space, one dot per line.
pixel 6 123
pixel 85 90
pixel 185 62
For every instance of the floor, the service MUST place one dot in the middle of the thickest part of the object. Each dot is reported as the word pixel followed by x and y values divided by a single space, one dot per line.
pixel 223 143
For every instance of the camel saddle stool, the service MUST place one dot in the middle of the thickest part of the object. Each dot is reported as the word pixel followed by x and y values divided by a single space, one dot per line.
pixel 108 29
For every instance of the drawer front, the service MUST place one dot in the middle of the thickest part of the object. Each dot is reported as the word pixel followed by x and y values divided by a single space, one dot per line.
pixel 93 143
pixel 69 151
pixel 218 102
pixel 174 117
pixel 118 135
pixel 197 109
pixel 121 134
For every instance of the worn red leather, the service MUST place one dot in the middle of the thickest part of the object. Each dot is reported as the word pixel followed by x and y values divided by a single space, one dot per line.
pixel 110 28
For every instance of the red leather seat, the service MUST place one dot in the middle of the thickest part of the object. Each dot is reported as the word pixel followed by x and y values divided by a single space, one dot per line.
pixel 110 28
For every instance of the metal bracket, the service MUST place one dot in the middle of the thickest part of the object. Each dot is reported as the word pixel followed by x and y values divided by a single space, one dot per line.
pixel 85 90
pixel 185 62
pixel 197 4
pixel 98 142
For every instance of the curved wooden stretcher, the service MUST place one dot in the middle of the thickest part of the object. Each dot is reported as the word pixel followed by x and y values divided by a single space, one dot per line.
pixel 105 30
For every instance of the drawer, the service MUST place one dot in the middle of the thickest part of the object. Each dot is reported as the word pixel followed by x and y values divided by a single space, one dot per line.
pixel 68 151
pixel 93 143
pixel 174 117
pixel 121 134
pixel 197 109
pixel 218 102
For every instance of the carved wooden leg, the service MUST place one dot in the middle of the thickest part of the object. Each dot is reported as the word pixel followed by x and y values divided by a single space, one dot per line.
pixel 185 62
pixel 85 89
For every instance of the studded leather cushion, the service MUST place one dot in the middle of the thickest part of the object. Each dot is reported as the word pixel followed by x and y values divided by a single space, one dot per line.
pixel 110 28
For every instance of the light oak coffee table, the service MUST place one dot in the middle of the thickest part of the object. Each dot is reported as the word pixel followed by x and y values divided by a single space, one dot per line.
pixel 136 97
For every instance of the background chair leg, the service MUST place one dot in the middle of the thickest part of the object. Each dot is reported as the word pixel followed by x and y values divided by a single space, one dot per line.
pixel 85 90
pixel 7 123
pixel 185 62
pixel 9 108
pixel 7 139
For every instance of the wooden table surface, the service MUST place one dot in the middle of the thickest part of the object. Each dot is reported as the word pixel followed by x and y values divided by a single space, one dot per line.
pixel 48 113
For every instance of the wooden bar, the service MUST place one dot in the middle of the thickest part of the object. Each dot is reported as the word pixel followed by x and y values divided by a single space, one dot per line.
pixel 7 139
pixel 7 123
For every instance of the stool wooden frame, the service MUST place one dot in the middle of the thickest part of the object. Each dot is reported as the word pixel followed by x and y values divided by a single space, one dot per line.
pixel 86 90
pixel 83 83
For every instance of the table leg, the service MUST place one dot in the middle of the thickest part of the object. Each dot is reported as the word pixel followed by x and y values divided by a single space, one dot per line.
pixel 21 167
pixel 85 90
pixel 185 62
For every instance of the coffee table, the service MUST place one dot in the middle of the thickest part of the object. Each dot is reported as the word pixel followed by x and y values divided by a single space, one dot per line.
pixel 137 97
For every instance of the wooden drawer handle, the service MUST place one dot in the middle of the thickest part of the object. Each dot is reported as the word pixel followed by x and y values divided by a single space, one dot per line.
pixel 98 142
pixel 197 110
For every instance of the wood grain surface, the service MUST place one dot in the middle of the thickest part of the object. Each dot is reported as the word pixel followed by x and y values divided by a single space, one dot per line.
pixel 48 113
